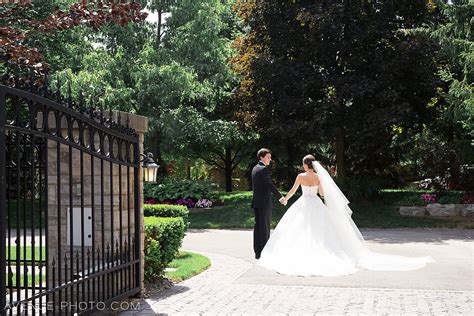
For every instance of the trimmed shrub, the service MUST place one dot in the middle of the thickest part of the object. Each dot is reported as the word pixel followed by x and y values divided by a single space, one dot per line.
pixel 163 238
pixel 172 190
pixel 360 188
pixel 165 210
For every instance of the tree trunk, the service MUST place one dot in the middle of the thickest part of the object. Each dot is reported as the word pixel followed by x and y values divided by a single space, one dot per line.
pixel 155 149
pixel 290 163
pixel 228 170
pixel 454 171
pixel 158 29
pixel 340 148
pixel 187 167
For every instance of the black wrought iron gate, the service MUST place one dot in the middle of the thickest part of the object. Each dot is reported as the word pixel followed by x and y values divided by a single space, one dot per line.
pixel 69 205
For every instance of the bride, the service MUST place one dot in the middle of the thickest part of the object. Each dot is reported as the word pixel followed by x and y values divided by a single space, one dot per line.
pixel 319 238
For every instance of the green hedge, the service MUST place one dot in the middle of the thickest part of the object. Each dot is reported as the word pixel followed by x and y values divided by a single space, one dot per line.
pixel 163 238
pixel 359 188
pixel 403 197
pixel 170 190
pixel 165 210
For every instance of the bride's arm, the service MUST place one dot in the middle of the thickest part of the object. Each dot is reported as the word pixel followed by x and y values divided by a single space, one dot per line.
pixel 294 188
pixel 320 187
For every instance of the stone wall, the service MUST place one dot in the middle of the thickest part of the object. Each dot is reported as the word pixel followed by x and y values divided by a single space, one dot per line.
pixel 438 210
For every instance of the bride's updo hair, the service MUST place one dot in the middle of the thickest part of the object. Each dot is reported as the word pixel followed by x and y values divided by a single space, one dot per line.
pixel 308 161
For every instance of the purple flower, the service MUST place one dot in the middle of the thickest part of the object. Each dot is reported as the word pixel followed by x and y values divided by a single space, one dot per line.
pixel 428 198
pixel 468 199
pixel 151 201
pixel 204 203
pixel 186 201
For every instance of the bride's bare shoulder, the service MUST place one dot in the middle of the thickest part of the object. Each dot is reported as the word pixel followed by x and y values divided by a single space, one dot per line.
pixel 300 176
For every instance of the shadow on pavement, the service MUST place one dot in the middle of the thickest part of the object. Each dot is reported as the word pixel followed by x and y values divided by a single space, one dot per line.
pixel 435 236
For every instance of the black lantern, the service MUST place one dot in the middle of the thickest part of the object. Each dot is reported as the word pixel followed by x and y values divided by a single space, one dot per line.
pixel 150 169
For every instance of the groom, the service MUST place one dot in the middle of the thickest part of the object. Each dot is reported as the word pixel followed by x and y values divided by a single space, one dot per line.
pixel 262 187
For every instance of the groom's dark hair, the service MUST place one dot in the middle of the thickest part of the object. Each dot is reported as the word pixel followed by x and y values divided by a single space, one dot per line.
pixel 262 153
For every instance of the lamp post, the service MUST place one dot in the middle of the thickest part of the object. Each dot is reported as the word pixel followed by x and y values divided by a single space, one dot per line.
pixel 150 168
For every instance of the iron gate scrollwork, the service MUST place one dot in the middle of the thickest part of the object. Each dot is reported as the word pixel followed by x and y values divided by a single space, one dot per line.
pixel 69 205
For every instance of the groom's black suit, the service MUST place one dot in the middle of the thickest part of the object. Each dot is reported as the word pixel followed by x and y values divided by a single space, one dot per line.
pixel 262 187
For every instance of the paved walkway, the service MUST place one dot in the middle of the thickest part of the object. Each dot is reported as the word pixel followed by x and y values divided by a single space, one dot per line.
pixel 234 285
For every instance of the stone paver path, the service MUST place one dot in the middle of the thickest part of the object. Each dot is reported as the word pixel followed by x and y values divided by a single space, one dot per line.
pixel 232 286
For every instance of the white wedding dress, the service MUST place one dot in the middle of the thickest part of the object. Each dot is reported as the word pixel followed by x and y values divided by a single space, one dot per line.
pixel 314 239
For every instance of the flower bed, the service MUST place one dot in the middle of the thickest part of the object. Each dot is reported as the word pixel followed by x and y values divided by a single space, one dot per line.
pixel 192 194
pixel 436 204
pixel 188 202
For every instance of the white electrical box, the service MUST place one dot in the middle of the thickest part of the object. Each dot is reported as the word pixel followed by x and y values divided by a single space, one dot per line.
pixel 76 221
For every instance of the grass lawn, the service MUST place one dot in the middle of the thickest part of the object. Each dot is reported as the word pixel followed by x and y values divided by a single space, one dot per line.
pixel 29 256
pixel 188 264
pixel 29 280
pixel 382 213
pixel 28 253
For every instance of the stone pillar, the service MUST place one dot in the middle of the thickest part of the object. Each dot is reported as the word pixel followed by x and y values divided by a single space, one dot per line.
pixel 140 125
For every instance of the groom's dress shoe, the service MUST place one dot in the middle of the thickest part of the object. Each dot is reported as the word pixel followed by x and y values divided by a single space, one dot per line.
pixel 257 257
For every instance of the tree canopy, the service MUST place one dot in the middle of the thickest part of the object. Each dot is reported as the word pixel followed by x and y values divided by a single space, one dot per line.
pixel 340 71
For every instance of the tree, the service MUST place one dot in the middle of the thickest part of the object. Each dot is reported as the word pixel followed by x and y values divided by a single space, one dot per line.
pixel 218 142
pixel 449 135
pixel 199 36
pixel 336 70
pixel 190 68
pixel 278 80
pixel 455 37
pixel 125 68
pixel 21 24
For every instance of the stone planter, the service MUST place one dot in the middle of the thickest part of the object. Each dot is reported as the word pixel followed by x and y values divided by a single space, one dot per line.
pixel 438 210
pixel 412 210
pixel 467 210
pixel 443 210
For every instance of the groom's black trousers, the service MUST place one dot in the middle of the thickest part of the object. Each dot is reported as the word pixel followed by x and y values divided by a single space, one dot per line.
pixel 261 231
